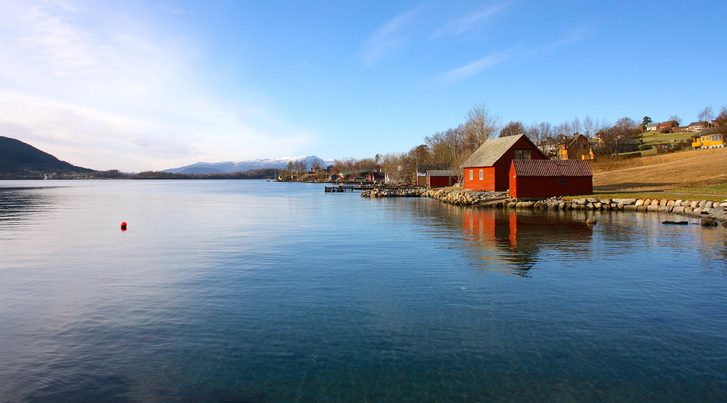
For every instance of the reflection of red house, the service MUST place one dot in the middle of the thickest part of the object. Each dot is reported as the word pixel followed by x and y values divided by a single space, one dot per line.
pixel 488 167
pixel 547 178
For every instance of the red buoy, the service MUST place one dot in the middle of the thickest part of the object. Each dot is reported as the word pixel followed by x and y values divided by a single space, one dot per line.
pixel 123 225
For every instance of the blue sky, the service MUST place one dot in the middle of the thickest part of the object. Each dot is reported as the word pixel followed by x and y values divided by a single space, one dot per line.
pixel 152 85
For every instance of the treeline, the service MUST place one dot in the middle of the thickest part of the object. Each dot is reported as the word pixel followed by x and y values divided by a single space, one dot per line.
pixel 453 146
pixel 252 174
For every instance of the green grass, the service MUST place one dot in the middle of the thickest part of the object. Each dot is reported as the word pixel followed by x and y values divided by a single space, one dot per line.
pixel 652 138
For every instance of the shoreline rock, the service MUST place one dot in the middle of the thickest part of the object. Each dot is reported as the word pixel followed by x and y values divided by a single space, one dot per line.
pixel 703 209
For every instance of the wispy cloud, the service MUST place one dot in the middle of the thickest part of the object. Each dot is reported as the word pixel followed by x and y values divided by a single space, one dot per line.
pixel 517 52
pixel 390 36
pixel 82 83
pixel 479 65
pixel 472 20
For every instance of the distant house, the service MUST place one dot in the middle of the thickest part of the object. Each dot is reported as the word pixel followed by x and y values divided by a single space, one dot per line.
pixel 362 175
pixel 576 148
pixel 696 127
pixel 652 127
pixel 437 178
pixel 488 167
pixel 668 126
pixel 548 178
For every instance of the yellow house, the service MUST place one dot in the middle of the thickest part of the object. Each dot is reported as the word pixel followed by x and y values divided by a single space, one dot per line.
pixel 713 140
pixel 577 148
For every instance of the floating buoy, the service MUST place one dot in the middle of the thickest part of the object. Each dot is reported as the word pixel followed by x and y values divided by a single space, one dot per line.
pixel 123 225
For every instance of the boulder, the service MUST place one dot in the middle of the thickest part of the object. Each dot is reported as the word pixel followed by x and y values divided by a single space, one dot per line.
pixel 655 202
pixel 696 210
pixel 694 204
pixel 639 203
pixel 688 210
pixel 708 222
pixel 663 202
pixel 708 204
pixel 665 209
pixel 597 205
pixel 678 209
pixel 702 203
pixel 670 203
pixel 653 208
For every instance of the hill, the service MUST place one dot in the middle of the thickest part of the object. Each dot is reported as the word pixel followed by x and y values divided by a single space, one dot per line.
pixel 682 174
pixel 21 160
pixel 241 166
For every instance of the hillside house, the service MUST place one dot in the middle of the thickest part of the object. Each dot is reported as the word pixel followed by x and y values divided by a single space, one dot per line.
pixel 576 148
pixel 696 127
pixel 667 127
pixel 548 178
pixel 652 127
pixel 487 169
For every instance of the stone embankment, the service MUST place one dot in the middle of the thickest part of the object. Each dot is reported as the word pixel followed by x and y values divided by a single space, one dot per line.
pixel 706 209
pixel 378 193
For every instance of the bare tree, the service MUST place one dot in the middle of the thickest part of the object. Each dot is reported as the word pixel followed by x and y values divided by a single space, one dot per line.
pixel 676 119
pixel 588 126
pixel 480 125
pixel 706 115
pixel 512 129
pixel 576 125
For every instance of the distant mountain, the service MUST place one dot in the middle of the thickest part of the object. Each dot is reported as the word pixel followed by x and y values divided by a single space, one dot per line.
pixel 21 160
pixel 228 167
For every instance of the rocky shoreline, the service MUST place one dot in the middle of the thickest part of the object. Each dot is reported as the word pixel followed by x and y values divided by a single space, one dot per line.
pixel 709 210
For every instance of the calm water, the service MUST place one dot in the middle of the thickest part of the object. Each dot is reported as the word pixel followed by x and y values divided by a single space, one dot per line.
pixel 256 291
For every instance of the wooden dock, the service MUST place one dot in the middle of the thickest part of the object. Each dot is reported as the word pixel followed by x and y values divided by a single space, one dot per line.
pixel 347 188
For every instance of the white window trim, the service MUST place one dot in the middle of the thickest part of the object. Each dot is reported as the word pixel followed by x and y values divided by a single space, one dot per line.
pixel 482 174
pixel 472 174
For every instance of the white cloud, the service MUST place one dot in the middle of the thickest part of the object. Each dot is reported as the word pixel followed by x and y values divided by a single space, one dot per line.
pixel 477 66
pixel 491 60
pixel 390 36
pixel 468 22
pixel 105 91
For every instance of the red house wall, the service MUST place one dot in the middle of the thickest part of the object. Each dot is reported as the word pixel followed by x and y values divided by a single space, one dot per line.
pixel 548 186
pixel 441 181
pixel 496 176
pixel 487 184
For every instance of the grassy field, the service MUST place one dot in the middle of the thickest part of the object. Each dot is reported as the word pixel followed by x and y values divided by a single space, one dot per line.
pixel 652 138
pixel 694 174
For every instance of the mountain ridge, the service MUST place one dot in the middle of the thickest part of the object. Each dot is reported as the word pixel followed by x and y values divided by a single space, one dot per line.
pixel 246 165
pixel 20 159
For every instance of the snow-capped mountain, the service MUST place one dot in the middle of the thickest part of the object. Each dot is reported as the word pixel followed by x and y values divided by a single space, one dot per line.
pixel 227 167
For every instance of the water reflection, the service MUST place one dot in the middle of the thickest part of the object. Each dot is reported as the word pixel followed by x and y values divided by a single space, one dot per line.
pixel 511 241
pixel 17 204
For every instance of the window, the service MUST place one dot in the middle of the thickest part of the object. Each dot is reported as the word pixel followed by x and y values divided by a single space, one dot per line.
pixel 522 155
pixel 472 174
pixel 482 174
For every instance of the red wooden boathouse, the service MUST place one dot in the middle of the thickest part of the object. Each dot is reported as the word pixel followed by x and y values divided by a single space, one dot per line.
pixel 488 168
pixel 547 178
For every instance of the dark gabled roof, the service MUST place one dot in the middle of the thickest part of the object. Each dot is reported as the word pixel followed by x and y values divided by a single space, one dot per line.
pixel 491 151
pixel 444 172
pixel 576 137
pixel 423 168
pixel 551 168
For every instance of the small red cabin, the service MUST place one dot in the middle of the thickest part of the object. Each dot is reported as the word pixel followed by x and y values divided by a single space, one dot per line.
pixel 547 178
pixel 488 167
pixel 438 178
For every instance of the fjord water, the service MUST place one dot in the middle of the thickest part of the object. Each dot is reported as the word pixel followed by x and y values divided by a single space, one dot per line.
pixel 258 291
